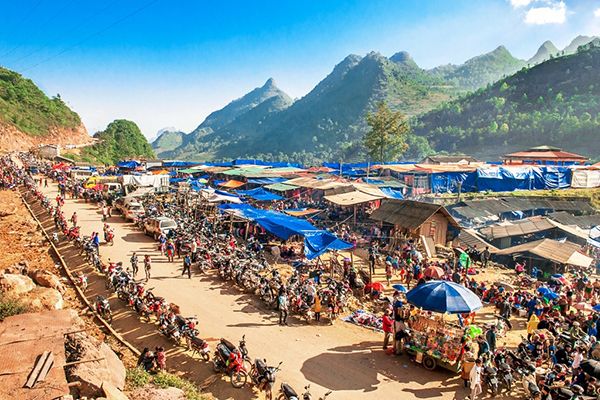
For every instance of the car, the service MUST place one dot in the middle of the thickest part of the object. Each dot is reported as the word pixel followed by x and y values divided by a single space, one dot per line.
pixel 133 210
pixel 121 203
pixel 157 225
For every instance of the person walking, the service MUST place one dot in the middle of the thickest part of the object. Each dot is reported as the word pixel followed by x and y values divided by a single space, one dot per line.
pixel 187 266
pixel 170 251
pixel 485 256
pixel 475 379
pixel 147 266
pixel 74 219
pixel 46 182
pixel 134 264
pixel 282 305
pixel 490 337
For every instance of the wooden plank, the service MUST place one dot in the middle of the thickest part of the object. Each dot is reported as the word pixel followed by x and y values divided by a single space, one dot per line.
pixel 32 378
pixel 47 365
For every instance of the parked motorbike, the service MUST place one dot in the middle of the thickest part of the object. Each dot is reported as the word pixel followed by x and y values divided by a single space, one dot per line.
pixel 199 346
pixel 286 392
pixel 263 376
pixel 229 360
pixel 491 379
pixel 506 378
pixel 103 308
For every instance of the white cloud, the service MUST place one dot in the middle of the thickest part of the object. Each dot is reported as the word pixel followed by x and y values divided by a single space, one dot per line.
pixel 597 13
pixel 553 13
pixel 520 3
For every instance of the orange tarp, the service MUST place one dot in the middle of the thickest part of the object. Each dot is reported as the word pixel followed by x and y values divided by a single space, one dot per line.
pixel 232 184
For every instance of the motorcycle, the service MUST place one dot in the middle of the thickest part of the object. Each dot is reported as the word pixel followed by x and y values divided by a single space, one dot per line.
pixel 532 390
pixel 286 392
pixel 229 360
pixel 491 379
pixel 506 377
pixel 103 308
pixel 199 346
pixel 263 376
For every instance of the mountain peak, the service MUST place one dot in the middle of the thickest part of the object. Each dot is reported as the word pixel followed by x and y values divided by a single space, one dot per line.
pixel 404 58
pixel 270 83
pixel 546 50
pixel 578 41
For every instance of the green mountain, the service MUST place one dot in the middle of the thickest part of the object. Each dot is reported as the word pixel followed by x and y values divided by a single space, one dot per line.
pixel 122 139
pixel 231 111
pixel 546 50
pixel 555 103
pixel 328 122
pixel 167 140
pixel 578 41
pixel 25 106
pixel 480 71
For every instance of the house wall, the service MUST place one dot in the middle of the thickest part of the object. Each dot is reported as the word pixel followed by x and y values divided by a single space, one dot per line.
pixel 436 228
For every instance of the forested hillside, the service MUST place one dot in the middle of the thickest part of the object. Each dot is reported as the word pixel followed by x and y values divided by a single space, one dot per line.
pixel 555 103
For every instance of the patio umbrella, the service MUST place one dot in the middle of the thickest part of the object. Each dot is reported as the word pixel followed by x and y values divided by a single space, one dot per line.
pixel 505 285
pixel 399 288
pixel 444 296
pixel 591 367
pixel 434 272
pixel 547 293
pixel 596 308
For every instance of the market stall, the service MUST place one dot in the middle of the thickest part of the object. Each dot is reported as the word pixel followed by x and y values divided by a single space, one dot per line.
pixel 433 340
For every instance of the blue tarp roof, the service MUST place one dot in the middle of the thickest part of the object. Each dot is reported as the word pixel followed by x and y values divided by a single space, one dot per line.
pixel 274 164
pixel 395 194
pixel 266 181
pixel 316 241
pixel 259 194
pixel 131 164
pixel 178 164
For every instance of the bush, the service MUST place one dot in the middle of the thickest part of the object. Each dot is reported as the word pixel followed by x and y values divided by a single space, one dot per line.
pixel 10 306
pixel 137 377
pixel 165 380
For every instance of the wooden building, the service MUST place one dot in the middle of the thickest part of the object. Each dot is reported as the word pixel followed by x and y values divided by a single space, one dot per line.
pixel 544 155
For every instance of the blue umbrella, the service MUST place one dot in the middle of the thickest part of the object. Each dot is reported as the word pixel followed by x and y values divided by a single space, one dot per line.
pixel 399 288
pixel 547 293
pixel 596 308
pixel 444 296
pixel 557 276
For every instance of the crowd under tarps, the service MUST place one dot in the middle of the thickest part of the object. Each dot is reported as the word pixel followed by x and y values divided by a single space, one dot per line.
pixel 156 181
pixel 218 196
pixel 316 241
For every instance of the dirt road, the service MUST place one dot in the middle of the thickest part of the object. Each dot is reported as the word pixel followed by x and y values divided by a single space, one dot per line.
pixel 343 358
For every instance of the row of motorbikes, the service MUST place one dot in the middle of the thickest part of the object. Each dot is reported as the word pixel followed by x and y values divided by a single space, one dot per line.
pixel 228 359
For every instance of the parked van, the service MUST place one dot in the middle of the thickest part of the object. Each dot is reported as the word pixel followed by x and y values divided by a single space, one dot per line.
pixel 157 225
pixel 133 210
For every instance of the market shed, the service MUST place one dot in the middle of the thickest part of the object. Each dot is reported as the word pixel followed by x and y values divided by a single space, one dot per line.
pixel 551 256
pixel 417 218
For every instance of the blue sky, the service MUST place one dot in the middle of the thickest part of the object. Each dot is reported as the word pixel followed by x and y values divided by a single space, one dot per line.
pixel 167 63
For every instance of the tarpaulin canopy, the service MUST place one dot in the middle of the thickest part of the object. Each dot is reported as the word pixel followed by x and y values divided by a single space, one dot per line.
pixel 299 212
pixel 178 164
pixel 281 187
pixel 316 241
pixel 259 194
pixel 217 196
pixel 191 171
pixel 232 184
pixel 352 198
pixel 392 193
pixel 266 181
pixel 131 164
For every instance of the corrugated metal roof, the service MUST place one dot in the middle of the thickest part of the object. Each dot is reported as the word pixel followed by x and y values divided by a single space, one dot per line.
pixel 582 221
pixel 351 198
pixel 409 214
pixel 517 228
pixel 470 238
pixel 559 252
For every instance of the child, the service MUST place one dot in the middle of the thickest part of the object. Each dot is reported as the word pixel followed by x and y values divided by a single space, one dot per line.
pixel 317 307
pixel 388 272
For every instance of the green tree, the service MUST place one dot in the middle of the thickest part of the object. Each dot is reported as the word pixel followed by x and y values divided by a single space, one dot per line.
pixel 386 138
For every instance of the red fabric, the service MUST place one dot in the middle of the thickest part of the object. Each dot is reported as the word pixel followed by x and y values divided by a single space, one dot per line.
pixel 387 324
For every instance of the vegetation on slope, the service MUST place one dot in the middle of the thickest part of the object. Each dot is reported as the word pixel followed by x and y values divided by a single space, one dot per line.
pixel 555 103
pixel 120 140
pixel 25 106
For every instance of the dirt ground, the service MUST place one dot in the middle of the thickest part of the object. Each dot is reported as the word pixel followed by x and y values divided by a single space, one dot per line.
pixel 344 358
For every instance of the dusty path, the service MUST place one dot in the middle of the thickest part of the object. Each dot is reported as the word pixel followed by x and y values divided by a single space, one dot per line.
pixel 343 358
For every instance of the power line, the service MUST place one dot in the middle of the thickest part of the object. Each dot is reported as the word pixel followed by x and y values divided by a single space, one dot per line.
pixel 91 36
pixel 28 14
pixel 75 28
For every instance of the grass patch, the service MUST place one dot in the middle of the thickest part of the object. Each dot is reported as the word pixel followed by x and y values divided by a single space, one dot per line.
pixel 10 306
pixel 138 377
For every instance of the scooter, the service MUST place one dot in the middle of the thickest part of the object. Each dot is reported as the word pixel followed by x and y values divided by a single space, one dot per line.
pixel 286 392
pixel 199 346
pixel 103 308
pixel 491 379
pixel 263 376
pixel 228 359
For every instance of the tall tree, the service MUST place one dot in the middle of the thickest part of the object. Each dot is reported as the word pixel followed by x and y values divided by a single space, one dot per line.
pixel 386 139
